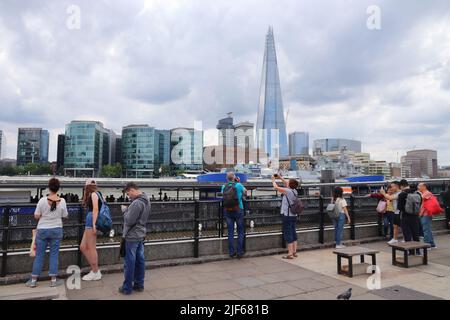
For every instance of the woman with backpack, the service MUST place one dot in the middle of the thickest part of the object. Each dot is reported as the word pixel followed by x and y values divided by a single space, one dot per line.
pixel 290 196
pixel 92 203
pixel 339 221
pixel 49 211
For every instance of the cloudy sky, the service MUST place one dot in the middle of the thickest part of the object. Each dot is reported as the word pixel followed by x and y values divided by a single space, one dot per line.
pixel 169 63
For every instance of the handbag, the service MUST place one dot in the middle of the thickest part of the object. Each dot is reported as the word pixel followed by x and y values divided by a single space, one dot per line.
pixel 381 207
pixel 33 244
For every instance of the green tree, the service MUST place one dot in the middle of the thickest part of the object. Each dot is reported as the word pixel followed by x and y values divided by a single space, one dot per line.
pixel 165 170
pixel 112 171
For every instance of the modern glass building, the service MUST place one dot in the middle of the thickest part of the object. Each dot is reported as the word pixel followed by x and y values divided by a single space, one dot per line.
pixel 271 126
pixel 87 148
pixel 329 145
pixel 298 143
pixel 60 151
pixel 186 150
pixel 144 150
pixel 32 146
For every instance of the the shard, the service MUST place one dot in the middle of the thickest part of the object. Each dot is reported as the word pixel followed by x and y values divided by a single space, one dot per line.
pixel 270 110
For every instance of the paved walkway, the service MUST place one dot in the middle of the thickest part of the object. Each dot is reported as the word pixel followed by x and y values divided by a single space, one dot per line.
pixel 311 276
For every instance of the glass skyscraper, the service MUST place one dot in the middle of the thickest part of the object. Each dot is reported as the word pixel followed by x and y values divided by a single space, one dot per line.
pixel 298 143
pixel 186 149
pixel 270 111
pixel 144 150
pixel 86 148
pixel 32 146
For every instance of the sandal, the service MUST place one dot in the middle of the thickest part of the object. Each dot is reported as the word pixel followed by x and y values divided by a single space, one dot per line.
pixel 295 255
pixel 290 257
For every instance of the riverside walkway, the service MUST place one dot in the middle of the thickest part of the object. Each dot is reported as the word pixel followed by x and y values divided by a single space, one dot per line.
pixel 312 276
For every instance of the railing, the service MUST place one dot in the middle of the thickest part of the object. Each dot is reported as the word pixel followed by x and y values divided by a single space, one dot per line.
pixel 182 221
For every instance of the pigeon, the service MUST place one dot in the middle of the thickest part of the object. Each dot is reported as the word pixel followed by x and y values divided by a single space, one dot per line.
pixel 346 295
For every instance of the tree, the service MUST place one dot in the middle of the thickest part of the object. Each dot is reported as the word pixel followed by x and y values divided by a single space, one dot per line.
pixel 112 171
pixel 165 170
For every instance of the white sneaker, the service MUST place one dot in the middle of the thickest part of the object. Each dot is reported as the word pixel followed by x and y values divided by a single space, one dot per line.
pixel 340 246
pixel 392 241
pixel 93 276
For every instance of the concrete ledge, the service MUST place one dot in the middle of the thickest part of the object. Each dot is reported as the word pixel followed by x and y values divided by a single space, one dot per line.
pixel 22 293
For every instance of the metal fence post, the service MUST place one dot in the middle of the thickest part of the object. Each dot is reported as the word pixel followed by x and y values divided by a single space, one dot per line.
pixel 221 219
pixel 321 221
pixel 6 215
pixel 244 245
pixel 196 231
pixel 352 218
pixel 80 234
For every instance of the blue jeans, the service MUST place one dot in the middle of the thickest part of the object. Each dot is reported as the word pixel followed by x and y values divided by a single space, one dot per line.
pixel 52 238
pixel 238 217
pixel 427 233
pixel 134 269
pixel 339 228
pixel 388 223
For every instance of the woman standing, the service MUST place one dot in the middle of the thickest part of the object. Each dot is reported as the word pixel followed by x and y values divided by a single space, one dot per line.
pixel 88 246
pixel 341 206
pixel 49 211
pixel 289 219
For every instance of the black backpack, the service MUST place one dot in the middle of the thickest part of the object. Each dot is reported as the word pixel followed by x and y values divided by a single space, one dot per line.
pixel 230 197
pixel 297 206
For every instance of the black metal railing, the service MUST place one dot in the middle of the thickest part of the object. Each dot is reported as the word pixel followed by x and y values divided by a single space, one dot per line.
pixel 183 220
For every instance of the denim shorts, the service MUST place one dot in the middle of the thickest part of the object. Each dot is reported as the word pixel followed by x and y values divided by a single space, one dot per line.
pixel 89 221
pixel 289 230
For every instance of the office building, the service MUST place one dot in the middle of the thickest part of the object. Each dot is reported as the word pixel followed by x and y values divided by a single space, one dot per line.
pixel 87 148
pixel 423 163
pixel 2 144
pixel 186 150
pixel 60 151
pixel 32 146
pixel 298 143
pixel 271 126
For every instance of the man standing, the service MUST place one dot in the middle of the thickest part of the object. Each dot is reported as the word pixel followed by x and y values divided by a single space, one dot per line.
pixel 446 200
pixel 134 232
pixel 409 203
pixel 233 191
pixel 425 215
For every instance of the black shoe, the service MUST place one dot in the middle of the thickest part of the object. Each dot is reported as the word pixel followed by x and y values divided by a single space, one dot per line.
pixel 239 256
pixel 123 291
pixel 233 255
pixel 138 289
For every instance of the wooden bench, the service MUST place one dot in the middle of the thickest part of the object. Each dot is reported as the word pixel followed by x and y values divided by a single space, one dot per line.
pixel 405 261
pixel 349 253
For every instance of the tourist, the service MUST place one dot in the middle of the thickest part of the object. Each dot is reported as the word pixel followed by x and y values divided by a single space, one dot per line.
pixel 339 222
pixel 392 197
pixel 93 203
pixel 410 213
pixel 446 201
pixel 430 207
pixel 233 192
pixel 134 231
pixel 289 192
pixel 49 211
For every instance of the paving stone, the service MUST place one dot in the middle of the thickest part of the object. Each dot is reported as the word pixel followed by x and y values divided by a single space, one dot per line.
pixel 281 289
pixel 249 281
pixel 308 285
pixel 218 296
pixel 254 294
pixel 215 287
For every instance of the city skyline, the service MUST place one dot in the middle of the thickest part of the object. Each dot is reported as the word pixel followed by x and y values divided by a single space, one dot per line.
pixel 339 78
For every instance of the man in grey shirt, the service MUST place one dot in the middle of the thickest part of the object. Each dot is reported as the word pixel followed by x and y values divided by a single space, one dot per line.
pixel 134 231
